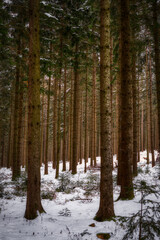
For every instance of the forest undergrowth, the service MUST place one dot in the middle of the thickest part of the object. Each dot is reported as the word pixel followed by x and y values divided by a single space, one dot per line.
pixel 71 201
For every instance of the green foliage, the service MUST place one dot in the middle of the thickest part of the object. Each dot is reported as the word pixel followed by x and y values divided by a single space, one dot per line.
pixel 48 195
pixel 64 182
pixel 20 187
pixel 139 170
pixel 145 223
pixel 92 184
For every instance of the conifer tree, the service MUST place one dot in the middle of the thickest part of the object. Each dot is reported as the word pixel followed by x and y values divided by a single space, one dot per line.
pixel 33 206
pixel 106 210
pixel 126 104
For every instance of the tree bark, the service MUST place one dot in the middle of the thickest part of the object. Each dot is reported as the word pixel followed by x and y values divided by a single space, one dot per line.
pixel 25 141
pixel 64 122
pixel 126 146
pixel 71 124
pixel 147 110
pixel 33 206
pixel 157 59
pixel 11 132
pixel 135 110
pixel 151 112
pixel 47 127
pixel 94 111
pixel 142 144
pixel 59 111
pixel 106 210
pixel 75 113
pixel 55 125
pixel 42 128
pixel 59 127
pixel 15 167
pixel 86 123
pixel 20 116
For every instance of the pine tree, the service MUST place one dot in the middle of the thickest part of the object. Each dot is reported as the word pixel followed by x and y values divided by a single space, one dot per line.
pixel 157 58
pixel 33 205
pixel 106 210
pixel 126 104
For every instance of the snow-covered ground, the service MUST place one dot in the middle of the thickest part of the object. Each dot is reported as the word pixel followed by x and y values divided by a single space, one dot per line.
pixel 69 213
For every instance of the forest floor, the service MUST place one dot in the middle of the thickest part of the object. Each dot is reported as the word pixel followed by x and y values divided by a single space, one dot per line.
pixel 71 204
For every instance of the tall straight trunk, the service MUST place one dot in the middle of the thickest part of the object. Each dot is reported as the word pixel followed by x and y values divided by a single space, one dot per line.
pixel 25 140
pixel 71 124
pixel 42 128
pixel 9 141
pixel 81 130
pixel 59 111
pixel 75 112
pixel 86 123
pixel 15 167
pixel 156 132
pixel 58 127
pixel 68 141
pixel 106 210
pixel 55 124
pixel 126 149
pixel 118 86
pixel 78 123
pixel 157 59
pixel 20 117
pixel 139 124
pixel 94 110
pixel 147 110
pixel 142 119
pixel 11 132
pixel 64 121
pixel 119 130
pixel 151 112
pixel 135 110
pixel 111 79
pixel 33 206
pixel 47 127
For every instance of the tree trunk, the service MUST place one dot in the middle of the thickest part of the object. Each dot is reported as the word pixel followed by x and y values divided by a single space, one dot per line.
pixel 157 59
pixel 34 206
pixel 64 122
pixel 106 210
pixel 75 113
pixel 20 113
pixel 11 132
pixel 55 125
pixel 135 110
pixel 86 123
pixel 58 127
pixel 59 111
pixel 142 145
pixel 126 146
pixel 118 85
pixel 47 127
pixel 147 110
pixel 81 130
pixel 71 124
pixel 25 141
pixel 151 113
pixel 94 111
pixel 139 124
pixel 15 167
pixel 111 79
pixel 42 128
